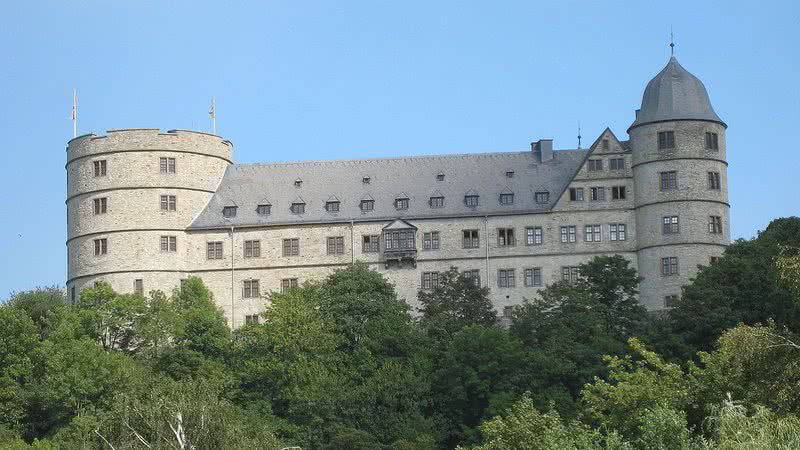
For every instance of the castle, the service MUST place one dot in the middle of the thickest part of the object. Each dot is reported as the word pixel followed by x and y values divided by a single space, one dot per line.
pixel 146 209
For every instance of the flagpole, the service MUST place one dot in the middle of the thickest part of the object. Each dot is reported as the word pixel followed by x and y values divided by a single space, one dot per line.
pixel 74 113
pixel 213 115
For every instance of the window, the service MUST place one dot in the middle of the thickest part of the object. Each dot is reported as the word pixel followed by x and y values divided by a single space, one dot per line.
pixel 508 312
pixel 72 294
pixel 168 203
pixel 616 164
pixel 715 224
pixel 616 231
pixel 473 277
pixel 169 244
pixel 332 207
pixel 370 244
pixel 570 274
pixel 437 202
pixel 229 211
pixel 252 249
pixel 291 247
pixel 533 277
pixel 597 194
pixel 263 210
pixel 138 286
pixel 367 205
pixel 669 266
pixel 430 241
pixel 252 319
pixel 505 278
pixel 336 245
pixel 594 165
pixel 399 240
pixel 167 165
pixel 606 145
pixel 507 199
pixel 401 203
pixel 576 194
pixel 591 233
pixel 568 233
pixel 617 192
pixel 713 260
pixel 666 140
pixel 439 176
pixel 288 283
pixel 542 197
pixel 712 141
pixel 251 289
pixel 669 181
pixel 214 250
pixel 471 200
pixel 366 180
pixel 510 174
pixel 430 280
pixel 471 239
pixel 671 225
pixel 533 236
pixel 100 168
pixel 713 181
pixel 298 208
pixel 100 246
pixel 505 237
pixel 100 205
pixel 670 301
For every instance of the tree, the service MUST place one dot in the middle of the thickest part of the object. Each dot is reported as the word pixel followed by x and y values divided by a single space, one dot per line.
pixel 18 344
pixel 455 303
pixel 742 287
pixel 41 305
pixel 523 427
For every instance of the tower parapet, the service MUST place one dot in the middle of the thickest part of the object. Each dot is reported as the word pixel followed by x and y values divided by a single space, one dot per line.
pixel 128 189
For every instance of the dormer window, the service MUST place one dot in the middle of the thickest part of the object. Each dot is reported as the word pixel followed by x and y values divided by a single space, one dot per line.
pixel 437 202
pixel 298 183
pixel 542 197
pixel 263 210
pixel 367 205
pixel 471 201
pixel 510 173
pixel 401 203
pixel 298 208
pixel 440 176
pixel 229 212
pixel 507 198
pixel 332 206
pixel 366 180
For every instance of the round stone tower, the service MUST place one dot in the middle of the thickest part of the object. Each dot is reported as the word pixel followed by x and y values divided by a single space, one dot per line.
pixel 131 194
pixel 680 178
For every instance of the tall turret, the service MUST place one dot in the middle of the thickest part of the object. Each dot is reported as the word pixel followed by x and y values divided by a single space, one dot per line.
pixel 130 197
pixel 680 177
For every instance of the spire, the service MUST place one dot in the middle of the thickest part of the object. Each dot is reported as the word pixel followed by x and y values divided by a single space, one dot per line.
pixel 671 43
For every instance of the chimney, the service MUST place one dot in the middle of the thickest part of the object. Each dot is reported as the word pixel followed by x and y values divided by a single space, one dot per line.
pixel 543 148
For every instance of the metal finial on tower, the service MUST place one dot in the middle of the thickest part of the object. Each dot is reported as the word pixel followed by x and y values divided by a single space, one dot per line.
pixel 213 114
pixel 579 135
pixel 74 113
pixel 671 43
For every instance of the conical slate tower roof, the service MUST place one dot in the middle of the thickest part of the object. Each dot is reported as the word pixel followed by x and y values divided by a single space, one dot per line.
pixel 675 94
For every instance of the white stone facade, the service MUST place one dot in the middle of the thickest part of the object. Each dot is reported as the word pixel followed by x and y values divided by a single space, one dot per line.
pixel 134 222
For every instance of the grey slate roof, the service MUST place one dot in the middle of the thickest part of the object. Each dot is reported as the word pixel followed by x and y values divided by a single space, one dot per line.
pixel 675 94
pixel 415 178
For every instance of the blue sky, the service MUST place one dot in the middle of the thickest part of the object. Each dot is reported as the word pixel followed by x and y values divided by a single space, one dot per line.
pixel 345 79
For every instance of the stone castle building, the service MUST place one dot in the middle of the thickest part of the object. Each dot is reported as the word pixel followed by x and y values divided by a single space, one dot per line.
pixel 146 209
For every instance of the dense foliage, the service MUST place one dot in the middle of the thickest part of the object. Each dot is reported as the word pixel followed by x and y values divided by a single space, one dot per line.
pixel 343 363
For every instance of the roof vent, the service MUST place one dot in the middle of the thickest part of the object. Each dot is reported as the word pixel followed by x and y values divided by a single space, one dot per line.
pixel 366 179
pixel 298 183
pixel 440 176
pixel 510 173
